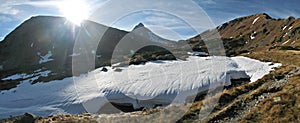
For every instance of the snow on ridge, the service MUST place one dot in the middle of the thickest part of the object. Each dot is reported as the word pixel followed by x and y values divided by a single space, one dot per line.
pixel 255 20
pixel 157 82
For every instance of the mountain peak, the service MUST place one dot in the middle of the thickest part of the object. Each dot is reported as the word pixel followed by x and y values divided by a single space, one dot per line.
pixel 263 15
pixel 139 26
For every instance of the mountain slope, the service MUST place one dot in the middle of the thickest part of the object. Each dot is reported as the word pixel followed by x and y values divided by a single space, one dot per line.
pixel 56 45
pixel 254 33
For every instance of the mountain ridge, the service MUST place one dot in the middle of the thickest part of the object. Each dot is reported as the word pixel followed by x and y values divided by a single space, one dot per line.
pixel 41 36
pixel 254 32
pixel 257 36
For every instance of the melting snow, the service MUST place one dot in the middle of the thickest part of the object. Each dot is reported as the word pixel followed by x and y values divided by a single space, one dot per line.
pixel 255 20
pixel 15 77
pixel 252 35
pixel 26 76
pixel 157 82
pixel 284 27
pixel 285 42
pixel 255 68
pixel 45 58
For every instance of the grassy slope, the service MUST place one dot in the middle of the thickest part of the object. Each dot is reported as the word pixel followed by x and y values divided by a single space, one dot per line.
pixel 274 98
pixel 284 105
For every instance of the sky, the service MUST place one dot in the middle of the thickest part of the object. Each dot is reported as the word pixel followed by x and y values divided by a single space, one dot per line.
pixel 171 19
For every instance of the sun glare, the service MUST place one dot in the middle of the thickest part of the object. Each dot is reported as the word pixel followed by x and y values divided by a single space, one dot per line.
pixel 74 10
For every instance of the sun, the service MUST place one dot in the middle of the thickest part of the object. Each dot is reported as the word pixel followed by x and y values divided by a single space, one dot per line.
pixel 74 10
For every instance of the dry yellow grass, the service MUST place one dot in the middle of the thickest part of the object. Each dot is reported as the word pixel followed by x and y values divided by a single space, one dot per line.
pixel 287 57
pixel 284 106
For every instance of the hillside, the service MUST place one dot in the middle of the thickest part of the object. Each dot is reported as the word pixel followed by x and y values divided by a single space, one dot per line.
pixel 254 33
pixel 56 46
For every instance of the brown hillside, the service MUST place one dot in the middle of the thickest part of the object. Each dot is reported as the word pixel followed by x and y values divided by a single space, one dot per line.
pixel 255 32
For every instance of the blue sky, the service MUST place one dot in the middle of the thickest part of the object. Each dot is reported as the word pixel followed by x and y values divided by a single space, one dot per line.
pixel 168 25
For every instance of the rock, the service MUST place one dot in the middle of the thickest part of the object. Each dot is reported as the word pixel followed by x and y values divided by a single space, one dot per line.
pixel 118 70
pixel 104 69
pixel 27 118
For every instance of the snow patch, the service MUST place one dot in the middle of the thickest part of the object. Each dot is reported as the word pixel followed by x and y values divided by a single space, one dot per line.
pixel 195 53
pixel 284 27
pixel 15 77
pixel 255 20
pixel 285 42
pixel 167 55
pixel 290 28
pixel 45 58
pixel 255 68
pixel 98 56
pixel 285 34
pixel 252 35
pixel 157 82
pixel 27 76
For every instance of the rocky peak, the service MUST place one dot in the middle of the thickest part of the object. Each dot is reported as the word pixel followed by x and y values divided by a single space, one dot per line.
pixel 139 26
